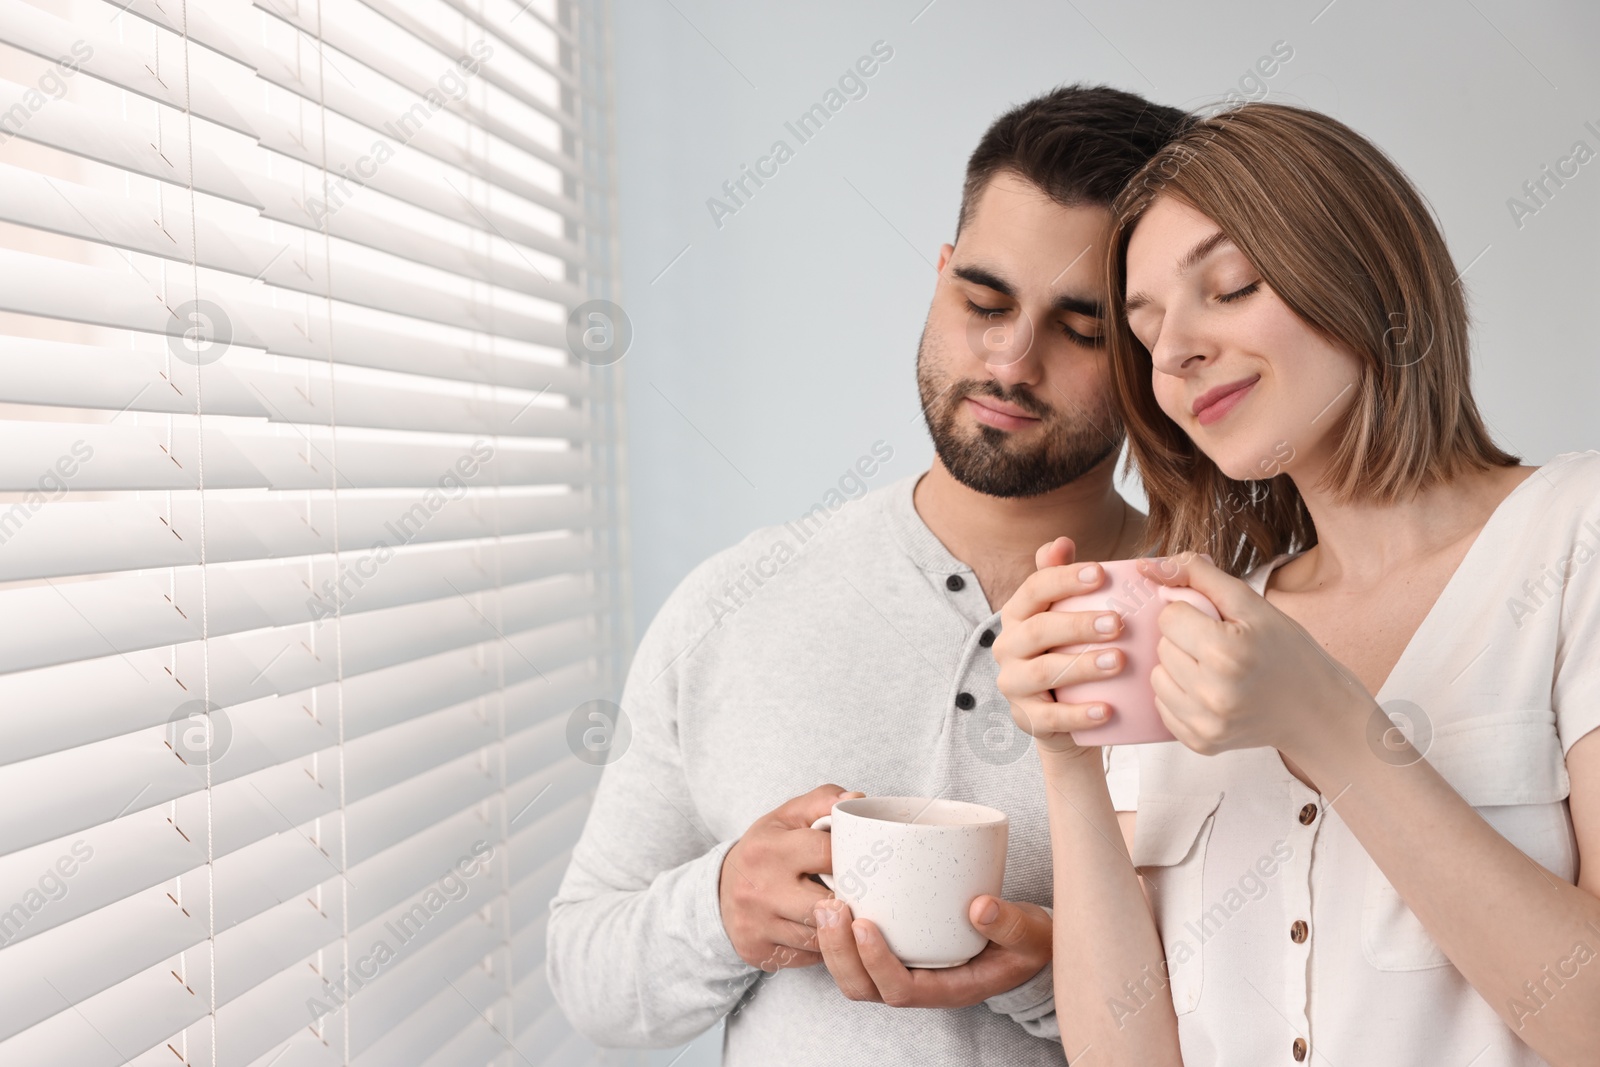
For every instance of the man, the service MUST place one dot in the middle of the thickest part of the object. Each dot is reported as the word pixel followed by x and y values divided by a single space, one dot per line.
pixel 864 660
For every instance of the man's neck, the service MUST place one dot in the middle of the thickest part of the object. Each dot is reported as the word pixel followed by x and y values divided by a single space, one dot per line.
pixel 997 537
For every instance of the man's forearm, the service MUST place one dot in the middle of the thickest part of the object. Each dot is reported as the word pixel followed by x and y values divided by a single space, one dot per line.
pixel 648 968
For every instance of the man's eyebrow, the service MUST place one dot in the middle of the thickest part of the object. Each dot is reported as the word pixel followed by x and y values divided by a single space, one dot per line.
pixel 986 278
pixel 990 280
pixel 1079 305
pixel 1190 259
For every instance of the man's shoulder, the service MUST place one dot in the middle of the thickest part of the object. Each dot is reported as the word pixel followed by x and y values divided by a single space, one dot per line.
pixel 836 532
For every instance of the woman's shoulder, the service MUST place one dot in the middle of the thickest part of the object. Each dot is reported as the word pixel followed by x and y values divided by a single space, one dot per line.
pixel 1562 501
pixel 1573 475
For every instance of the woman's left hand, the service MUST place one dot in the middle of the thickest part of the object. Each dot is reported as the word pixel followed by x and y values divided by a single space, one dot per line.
pixel 1255 679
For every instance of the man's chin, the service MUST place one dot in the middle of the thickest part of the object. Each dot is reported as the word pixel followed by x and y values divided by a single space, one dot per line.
pixel 977 426
pixel 1016 446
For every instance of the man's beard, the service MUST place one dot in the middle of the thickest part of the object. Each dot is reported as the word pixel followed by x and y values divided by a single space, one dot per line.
pixel 991 462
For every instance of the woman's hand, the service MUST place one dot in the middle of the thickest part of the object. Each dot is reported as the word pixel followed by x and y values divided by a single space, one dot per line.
pixel 1255 679
pixel 1029 630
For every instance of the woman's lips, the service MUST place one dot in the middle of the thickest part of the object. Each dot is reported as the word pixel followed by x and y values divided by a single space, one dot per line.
pixel 1000 420
pixel 1220 407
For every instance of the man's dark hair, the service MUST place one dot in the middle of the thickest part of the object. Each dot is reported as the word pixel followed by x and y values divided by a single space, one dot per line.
pixel 1078 143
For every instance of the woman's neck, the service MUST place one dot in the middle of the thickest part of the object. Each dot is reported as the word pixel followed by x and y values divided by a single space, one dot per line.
pixel 1362 544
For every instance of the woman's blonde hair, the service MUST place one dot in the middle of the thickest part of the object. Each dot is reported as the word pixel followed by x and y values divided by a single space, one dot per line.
pixel 1343 239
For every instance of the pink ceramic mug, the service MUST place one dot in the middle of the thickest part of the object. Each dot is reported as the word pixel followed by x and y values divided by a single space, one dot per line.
pixel 1138 600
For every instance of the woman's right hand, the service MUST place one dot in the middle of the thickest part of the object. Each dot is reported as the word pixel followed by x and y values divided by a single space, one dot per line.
pixel 1030 631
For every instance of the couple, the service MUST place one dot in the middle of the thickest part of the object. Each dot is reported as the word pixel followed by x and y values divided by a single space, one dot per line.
pixel 1263 307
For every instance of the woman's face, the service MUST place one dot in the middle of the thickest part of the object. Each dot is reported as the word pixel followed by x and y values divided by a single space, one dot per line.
pixel 1268 387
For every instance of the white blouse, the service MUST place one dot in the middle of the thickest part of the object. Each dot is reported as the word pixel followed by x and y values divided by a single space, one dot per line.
pixel 1285 942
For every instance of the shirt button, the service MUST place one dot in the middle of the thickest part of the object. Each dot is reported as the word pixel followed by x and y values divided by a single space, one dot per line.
pixel 986 638
pixel 1297 932
pixel 1299 1049
pixel 964 701
pixel 1308 814
pixel 955 583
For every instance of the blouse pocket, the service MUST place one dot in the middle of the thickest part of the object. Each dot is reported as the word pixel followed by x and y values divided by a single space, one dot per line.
pixel 1169 848
pixel 1509 767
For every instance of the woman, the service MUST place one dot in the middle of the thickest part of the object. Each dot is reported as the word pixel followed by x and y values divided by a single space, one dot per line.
pixel 1366 845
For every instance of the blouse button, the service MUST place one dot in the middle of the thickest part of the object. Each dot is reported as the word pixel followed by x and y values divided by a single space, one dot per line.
pixel 1308 814
pixel 1299 1049
pixel 955 583
pixel 1297 932
pixel 965 701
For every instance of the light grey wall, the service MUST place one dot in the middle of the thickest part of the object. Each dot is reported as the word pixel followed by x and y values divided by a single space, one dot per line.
pixel 771 352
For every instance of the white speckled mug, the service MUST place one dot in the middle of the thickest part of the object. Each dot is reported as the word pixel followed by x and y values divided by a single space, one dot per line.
pixel 913 866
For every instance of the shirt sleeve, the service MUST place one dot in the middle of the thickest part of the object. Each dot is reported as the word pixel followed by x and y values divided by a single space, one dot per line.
pixel 1122 776
pixel 1032 1004
pixel 1576 691
pixel 636 953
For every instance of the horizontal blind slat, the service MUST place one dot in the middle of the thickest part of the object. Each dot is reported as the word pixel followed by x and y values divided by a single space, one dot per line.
pixel 343 38
pixel 137 931
pixel 354 223
pixel 63 374
pixel 406 20
pixel 58 41
pixel 57 623
pixel 41 202
pixel 152 684
pixel 131 147
pixel 40 285
pixel 50 540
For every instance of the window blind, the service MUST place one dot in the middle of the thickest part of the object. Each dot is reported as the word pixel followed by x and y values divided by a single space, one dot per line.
pixel 310 523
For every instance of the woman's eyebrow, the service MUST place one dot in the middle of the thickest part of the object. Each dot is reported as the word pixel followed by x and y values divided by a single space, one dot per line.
pixel 1200 251
pixel 1190 259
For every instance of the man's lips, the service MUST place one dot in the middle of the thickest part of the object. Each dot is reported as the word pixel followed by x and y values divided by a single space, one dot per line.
pixel 998 414
pixel 1217 402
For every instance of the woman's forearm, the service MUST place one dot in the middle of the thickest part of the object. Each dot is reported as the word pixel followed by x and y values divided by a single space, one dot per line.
pixel 1107 951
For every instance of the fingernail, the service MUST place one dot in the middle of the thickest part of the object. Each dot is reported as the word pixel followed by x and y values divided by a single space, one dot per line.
pixel 1106 623
pixel 1090 573
pixel 861 935
pixel 1097 712
pixel 990 912
pixel 1106 660
pixel 826 916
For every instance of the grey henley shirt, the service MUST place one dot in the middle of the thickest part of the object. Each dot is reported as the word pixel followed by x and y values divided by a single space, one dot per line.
pixel 850 647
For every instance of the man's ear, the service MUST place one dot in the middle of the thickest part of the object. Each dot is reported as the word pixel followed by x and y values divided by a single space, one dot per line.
pixel 945 252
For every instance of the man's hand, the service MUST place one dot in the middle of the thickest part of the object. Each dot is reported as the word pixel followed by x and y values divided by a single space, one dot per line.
pixel 865 969
pixel 764 891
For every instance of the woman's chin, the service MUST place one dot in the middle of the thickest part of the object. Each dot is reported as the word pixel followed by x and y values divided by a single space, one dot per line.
pixel 1248 467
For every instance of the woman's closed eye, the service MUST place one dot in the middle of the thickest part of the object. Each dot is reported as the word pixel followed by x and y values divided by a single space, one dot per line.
pixel 1240 293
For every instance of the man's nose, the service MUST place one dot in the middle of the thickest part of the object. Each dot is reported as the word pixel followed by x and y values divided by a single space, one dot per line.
pixel 1010 351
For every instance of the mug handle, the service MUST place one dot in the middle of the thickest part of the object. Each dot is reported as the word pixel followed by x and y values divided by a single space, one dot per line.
pixel 825 824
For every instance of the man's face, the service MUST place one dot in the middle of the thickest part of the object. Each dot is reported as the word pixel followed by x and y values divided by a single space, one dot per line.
pixel 1012 367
